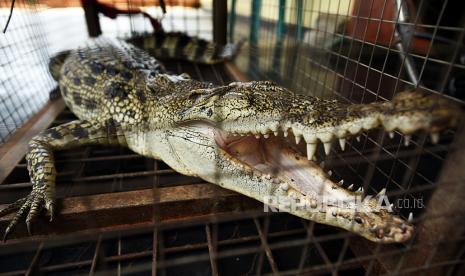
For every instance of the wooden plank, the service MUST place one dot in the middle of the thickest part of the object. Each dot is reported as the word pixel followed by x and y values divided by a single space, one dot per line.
pixel 234 72
pixel 16 147
pixel 135 207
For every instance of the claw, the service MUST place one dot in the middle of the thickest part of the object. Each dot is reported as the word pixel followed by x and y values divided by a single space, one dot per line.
pixel 434 138
pixel 28 225
pixel 7 232
pixel 342 143
pixel 51 210
pixel 13 206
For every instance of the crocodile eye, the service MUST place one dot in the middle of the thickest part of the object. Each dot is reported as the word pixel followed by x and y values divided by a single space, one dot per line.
pixel 358 220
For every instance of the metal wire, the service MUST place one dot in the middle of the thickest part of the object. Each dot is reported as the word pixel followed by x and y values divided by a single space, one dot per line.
pixel 313 52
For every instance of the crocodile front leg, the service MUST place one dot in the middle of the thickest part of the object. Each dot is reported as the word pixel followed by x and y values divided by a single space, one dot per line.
pixel 40 164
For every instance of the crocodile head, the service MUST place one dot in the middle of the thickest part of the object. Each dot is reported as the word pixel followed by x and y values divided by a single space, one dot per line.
pixel 246 137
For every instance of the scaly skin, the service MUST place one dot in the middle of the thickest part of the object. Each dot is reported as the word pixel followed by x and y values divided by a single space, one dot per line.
pixel 122 96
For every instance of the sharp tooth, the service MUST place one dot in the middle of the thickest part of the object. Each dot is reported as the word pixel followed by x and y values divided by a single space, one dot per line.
pixel 407 140
pixel 285 186
pixel 382 192
pixel 267 176
pixel 391 206
pixel 341 182
pixel 297 139
pixel 257 136
pixel 313 203
pixel 275 133
pixel 410 217
pixel 342 143
pixel 360 190
pixel 266 136
pixel 350 187
pixel 286 133
pixel 330 172
pixel 311 149
pixel 358 138
pixel 327 146
pixel 435 138
pixel 391 134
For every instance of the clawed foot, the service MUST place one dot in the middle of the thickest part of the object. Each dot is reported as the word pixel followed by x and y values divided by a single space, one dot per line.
pixel 31 206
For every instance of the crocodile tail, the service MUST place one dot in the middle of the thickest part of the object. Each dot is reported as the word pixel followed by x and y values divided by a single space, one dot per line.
pixel 180 46
pixel 56 62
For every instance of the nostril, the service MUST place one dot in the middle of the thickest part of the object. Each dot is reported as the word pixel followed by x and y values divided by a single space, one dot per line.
pixel 358 220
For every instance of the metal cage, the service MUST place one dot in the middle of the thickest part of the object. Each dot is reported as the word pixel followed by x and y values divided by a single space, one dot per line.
pixel 125 214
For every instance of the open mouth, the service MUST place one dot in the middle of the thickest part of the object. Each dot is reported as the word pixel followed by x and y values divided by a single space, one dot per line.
pixel 280 160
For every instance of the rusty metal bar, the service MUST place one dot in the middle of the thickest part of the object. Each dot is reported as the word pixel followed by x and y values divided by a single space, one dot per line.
pixel 266 247
pixel 96 256
pixel 32 266
pixel 92 159
pixel 309 234
pixel 156 217
pixel 154 251
pixel 211 250
pixel 351 263
pixel 124 175
pixel 261 256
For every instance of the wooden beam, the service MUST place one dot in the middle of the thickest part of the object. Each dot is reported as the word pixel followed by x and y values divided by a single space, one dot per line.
pixel 220 21
pixel 81 213
pixel 442 223
pixel 16 147
pixel 234 72
pixel 92 20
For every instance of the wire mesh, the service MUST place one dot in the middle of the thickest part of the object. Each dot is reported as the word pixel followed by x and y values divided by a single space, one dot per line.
pixel 360 51
pixel 24 82
pixel 335 48
pixel 37 31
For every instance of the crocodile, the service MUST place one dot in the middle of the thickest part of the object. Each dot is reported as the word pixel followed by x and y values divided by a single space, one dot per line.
pixel 243 136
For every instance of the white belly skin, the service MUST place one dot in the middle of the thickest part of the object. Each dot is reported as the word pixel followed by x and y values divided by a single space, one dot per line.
pixel 155 144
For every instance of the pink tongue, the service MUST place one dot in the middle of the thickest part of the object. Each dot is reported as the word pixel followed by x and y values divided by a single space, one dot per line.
pixel 247 149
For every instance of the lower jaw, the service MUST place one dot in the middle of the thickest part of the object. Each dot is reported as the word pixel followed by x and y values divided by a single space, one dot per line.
pixel 310 179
